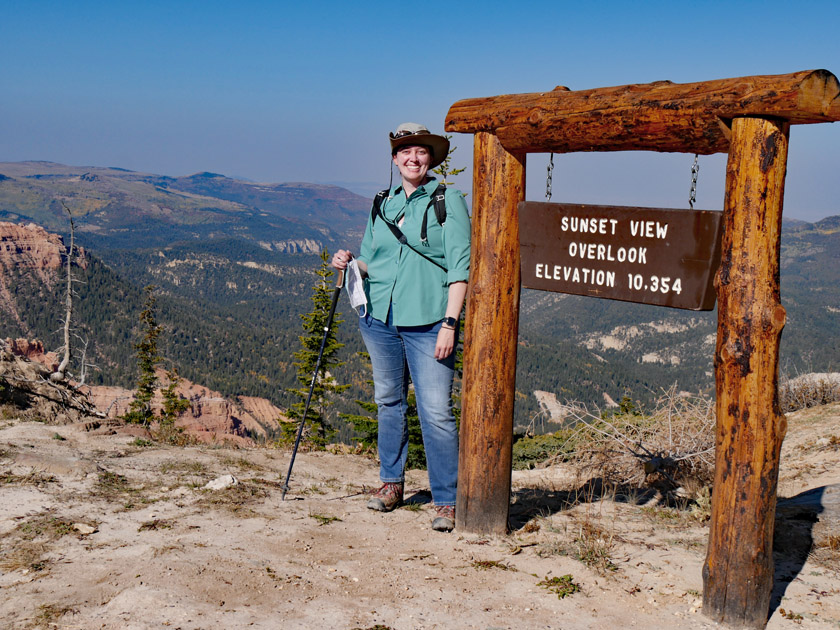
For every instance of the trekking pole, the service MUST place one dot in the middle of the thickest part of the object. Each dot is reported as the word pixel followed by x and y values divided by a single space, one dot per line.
pixel 338 285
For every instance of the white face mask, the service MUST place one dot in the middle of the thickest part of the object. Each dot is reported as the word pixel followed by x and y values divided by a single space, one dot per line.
pixel 355 287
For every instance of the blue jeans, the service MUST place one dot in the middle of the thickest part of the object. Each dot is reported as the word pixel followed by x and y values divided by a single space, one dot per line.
pixel 395 352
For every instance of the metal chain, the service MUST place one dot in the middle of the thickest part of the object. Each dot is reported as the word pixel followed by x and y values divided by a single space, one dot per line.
pixel 695 170
pixel 549 173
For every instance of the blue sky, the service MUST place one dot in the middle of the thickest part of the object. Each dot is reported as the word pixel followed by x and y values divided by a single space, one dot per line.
pixel 275 91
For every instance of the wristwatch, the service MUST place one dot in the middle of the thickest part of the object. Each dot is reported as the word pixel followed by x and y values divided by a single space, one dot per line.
pixel 450 321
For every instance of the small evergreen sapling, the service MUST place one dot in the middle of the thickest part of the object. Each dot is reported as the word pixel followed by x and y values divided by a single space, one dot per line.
pixel 445 169
pixel 173 406
pixel 367 426
pixel 148 357
pixel 318 431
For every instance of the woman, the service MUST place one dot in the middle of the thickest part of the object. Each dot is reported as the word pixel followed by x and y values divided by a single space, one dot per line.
pixel 415 294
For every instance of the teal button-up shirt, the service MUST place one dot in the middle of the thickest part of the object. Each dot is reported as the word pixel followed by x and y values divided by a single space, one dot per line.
pixel 414 289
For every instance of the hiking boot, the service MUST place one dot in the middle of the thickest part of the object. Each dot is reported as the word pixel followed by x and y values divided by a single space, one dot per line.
pixel 444 520
pixel 388 497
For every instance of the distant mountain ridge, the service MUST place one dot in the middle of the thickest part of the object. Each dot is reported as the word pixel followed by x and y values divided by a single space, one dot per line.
pixel 118 208
pixel 232 290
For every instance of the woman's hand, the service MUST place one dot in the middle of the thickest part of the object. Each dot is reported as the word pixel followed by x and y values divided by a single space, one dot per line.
pixel 445 343
pixel 341 258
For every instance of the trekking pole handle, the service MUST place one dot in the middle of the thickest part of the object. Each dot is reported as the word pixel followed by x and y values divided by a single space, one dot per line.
pixel 340 282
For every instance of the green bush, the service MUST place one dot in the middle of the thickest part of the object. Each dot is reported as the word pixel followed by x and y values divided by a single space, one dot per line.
pixel 530 451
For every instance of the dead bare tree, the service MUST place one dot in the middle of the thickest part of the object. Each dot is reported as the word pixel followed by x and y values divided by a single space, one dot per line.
pixel 60 374
pixel 83 363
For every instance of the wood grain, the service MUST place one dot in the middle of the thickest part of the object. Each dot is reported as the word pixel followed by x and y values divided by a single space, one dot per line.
pixel 661 116
pixel 490 342
pixel 738 571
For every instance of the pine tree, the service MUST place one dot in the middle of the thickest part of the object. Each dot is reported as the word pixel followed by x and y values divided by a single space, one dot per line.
pixel 365 423
pixel 445 169
pixel 318 430
pixel 416 451
pixel 140 410
pixel 173 405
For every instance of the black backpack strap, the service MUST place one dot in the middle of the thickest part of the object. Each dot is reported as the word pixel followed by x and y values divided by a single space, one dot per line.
pixel 397 232
pixel 438 200
pixel 377 204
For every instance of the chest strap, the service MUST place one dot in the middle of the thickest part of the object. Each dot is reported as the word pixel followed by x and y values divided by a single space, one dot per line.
pixel 437 200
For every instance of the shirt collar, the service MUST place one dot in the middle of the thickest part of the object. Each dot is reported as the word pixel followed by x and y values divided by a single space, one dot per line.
pixel 425 189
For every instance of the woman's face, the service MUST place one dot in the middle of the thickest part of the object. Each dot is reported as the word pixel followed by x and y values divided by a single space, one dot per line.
pixel 413 163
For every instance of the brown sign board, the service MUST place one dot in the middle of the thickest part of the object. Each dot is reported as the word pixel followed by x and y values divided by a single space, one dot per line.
pixel 666 257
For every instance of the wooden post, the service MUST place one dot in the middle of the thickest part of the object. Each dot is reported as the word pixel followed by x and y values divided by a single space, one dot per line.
pixel 491 331
pixel 738 571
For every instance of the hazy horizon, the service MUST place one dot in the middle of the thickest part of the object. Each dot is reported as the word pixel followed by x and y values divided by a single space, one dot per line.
pixel 270 93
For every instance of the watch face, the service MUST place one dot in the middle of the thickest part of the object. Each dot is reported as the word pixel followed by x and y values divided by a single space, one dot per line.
pixel 450 321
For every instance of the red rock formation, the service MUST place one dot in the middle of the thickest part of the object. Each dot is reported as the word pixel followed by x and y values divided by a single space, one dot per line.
pixel 266 413
pixel 34 351
pixel 211 418
pixel 30 248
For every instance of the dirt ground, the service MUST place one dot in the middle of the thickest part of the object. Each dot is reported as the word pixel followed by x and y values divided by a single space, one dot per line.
pixel 109 531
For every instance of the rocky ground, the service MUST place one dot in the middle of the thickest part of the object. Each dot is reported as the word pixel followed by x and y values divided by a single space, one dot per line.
pixel 100 529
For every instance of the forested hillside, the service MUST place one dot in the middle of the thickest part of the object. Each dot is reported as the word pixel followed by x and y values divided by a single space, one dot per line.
pixel 230 300
pixel 116 208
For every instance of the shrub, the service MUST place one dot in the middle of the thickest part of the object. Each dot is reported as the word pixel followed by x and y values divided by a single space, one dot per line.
pixel 808 390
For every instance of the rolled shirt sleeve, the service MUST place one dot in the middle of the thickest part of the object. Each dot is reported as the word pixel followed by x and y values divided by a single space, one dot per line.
pixel 456 237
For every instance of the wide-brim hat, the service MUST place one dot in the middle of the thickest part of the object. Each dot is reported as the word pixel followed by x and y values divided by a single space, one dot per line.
pixel 412 134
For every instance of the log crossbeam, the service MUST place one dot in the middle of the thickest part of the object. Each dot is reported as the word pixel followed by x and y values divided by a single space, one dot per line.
pixel 661 116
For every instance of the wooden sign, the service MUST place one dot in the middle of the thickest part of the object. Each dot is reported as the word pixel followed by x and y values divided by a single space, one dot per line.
pixel 655 256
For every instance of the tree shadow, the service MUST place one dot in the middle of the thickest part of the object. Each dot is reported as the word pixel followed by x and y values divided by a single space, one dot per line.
pixel 793 539
pixel 528 503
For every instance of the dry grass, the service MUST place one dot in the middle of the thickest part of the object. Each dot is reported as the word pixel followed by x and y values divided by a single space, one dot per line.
pixel 240 463
pixel 116 488
pixel 167 433
pixel 191 467
pixel 160 551
pixel 33 478
pixel 323 519
pixel 23 556
pixel 234 498
pixel 591 539
pixel 112 486
pixel 44 526
pixel 808 390
pixel 594 545
pixel 25 547
pixel 673 443
pixel 156 524
pixel 48 614
pixel 826 551
pixel 486 565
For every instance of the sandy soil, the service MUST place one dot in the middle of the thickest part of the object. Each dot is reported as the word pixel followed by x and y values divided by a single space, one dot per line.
pixel 102 531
